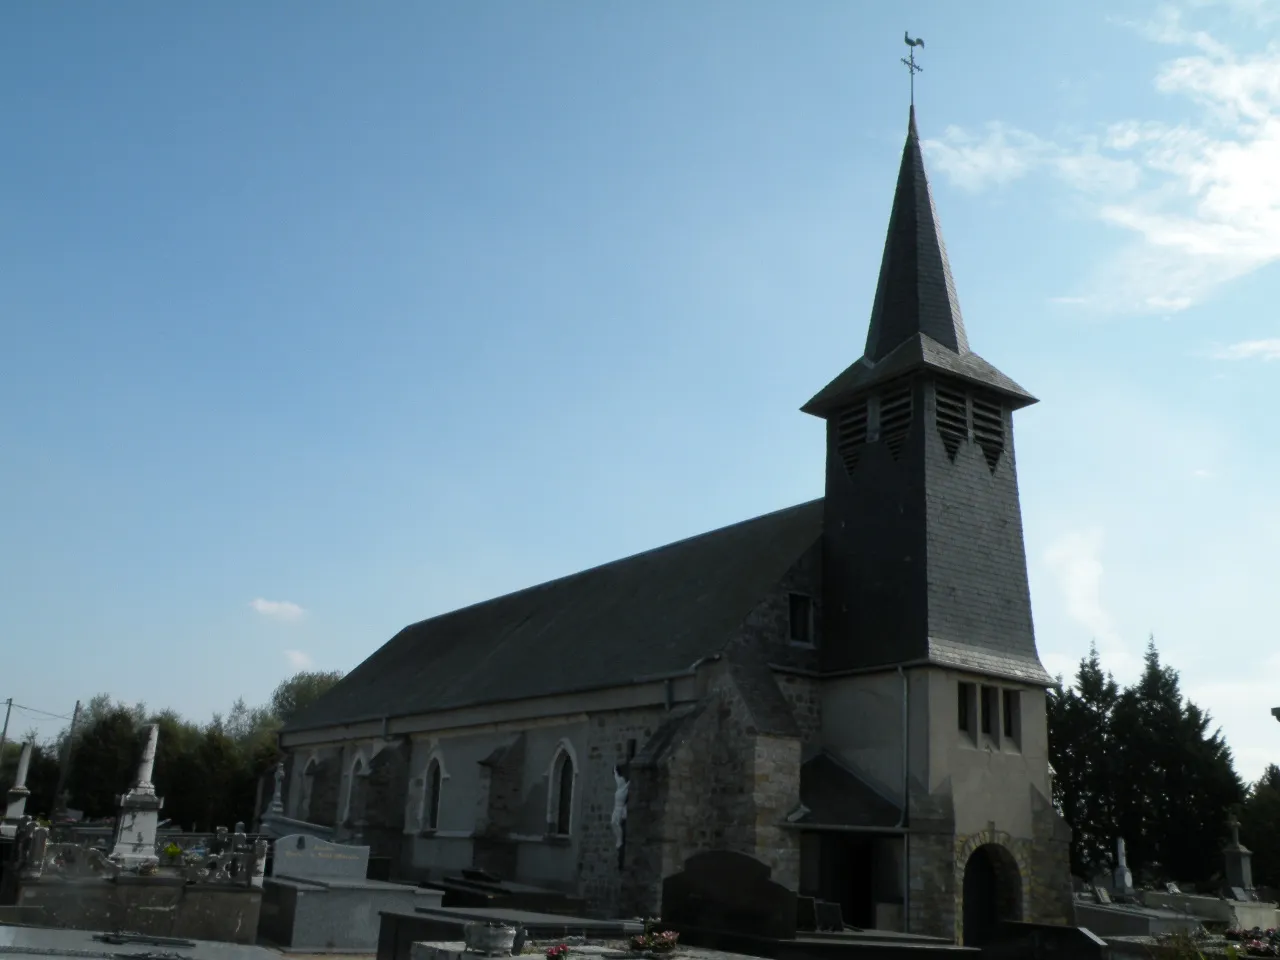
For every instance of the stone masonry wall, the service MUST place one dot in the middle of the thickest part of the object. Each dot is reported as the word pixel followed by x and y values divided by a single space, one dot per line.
pixel 1050 898
pixel 609 739
pixel 768 626
pixel 932 893
pixel 776 792
pixel 931 908
pixel 721 787
pixel 805 696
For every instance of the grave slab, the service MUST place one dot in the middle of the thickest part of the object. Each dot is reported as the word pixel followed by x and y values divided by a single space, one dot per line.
pixel 319 900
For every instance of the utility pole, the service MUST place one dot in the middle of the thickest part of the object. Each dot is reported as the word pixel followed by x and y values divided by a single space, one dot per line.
pixel 8 709
pixel 59 798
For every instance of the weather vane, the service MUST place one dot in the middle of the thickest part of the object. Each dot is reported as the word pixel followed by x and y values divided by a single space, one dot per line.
pixel 910 62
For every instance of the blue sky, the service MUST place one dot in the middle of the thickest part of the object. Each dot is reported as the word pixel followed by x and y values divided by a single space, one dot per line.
pixel 318 320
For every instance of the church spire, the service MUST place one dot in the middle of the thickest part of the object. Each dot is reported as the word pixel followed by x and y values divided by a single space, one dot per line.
pixel 915 317
pixel 916 293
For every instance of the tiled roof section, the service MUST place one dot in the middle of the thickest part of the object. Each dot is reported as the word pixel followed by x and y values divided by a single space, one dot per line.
pixel 916 292
pixel 961 656
pixel 669 735
pixel 770 713
pixel 920 352
pixel 836 797
pixel 915 318
pixel 655 613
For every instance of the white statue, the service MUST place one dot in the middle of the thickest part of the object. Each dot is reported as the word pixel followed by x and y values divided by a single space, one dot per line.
pixel 620 789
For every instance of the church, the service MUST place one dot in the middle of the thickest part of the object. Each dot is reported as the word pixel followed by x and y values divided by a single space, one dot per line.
pixel 847 690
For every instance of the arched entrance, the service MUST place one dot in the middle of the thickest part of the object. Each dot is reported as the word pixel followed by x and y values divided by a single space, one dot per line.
pixel 992 892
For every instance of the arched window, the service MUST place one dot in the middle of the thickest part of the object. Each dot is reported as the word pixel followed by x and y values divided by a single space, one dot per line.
pixel 431 814
pixel 564 797
pixel 561 779
pixel 306 788
pixel 355 788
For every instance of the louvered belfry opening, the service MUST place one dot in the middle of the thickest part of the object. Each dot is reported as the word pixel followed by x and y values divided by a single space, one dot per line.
pixel 851 433
pixel 952 411
pixel 988 428
pixel 963 415
pixel 896 408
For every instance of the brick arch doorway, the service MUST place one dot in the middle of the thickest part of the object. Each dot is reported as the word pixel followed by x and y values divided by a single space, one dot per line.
pixel 992 892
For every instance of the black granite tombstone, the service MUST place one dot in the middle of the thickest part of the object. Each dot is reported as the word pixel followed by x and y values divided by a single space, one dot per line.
pixel 830 916
pixel 806 914
pixel 730 892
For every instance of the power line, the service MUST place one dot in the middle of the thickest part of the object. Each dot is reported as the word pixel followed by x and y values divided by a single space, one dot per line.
pixel 43 713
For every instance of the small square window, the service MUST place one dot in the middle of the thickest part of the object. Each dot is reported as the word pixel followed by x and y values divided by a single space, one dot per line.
pixel 991 712
pixel 801 619
pixel 1012 717
pixel 965 700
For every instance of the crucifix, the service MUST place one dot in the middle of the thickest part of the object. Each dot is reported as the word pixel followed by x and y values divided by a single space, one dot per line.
pixel 909 62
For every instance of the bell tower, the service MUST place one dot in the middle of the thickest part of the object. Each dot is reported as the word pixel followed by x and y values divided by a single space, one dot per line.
pixel 924 561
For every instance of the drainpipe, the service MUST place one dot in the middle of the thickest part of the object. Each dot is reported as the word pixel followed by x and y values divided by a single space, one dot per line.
pixel 902 818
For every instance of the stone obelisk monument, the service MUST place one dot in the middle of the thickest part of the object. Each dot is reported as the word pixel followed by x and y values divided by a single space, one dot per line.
pixel 135 837
pixel 17 800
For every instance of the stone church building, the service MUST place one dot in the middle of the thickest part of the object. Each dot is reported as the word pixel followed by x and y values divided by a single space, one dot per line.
pixel 847 690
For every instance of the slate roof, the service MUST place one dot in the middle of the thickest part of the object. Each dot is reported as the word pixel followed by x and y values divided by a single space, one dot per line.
pixel 651 614
pixel 915 318
pixel 836 797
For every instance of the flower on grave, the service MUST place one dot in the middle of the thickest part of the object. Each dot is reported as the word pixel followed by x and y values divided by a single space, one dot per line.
pixel 172 850
pixel 654 941
pixel 559 950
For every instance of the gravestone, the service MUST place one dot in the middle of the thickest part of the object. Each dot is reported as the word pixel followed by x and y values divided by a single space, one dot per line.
pixel 309 858
pixel 1239 861
pixel 134 843
pixel 729 892
pixel 16 802
pixel 830 916
pixel 1123 880
pixel 806 914
pixel 319 897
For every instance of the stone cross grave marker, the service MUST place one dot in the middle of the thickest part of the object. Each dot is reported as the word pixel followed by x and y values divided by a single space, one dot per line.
pixel 300 857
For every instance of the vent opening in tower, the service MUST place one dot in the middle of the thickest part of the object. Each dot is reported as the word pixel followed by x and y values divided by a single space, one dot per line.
pixel 895 418
pixel 851 434
pixel 988 429
pixel 952 414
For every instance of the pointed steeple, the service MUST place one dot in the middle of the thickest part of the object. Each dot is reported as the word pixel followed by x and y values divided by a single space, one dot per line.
pixel 915 318
pixel 916 293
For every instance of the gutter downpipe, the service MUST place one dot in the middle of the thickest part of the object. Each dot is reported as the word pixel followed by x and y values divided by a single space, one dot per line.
pixel 902 819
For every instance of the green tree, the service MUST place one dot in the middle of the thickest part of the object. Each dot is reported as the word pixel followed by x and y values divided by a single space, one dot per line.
pixel 1260 827
pixel 300 691
pixel 1080 751
pixel 103 761
pixel 1179 782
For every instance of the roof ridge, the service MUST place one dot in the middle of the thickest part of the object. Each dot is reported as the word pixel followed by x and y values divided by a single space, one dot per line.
pixel 611 563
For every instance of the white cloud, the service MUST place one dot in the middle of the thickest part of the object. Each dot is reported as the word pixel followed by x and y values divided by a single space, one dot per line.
pixel 1251 350
pixel 1202 474
pixel 1075 560
pixel 1199 201
pixel 1004 154
pixel 298 659
pixel 278 609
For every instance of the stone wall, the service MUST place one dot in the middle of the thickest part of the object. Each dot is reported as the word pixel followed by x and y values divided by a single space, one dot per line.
pixel 380 823
pixel 932 895
pixel 612 740
pixel 776 775
pixel 720 783
pixel 804 694
pixel 1050 898
pixel 768 626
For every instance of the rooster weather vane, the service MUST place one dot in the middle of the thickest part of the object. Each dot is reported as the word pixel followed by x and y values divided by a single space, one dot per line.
pixel 910 62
